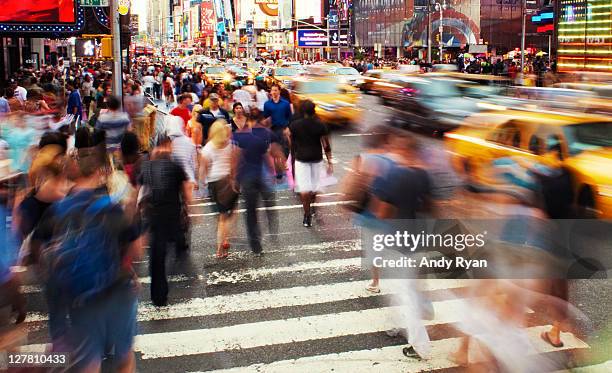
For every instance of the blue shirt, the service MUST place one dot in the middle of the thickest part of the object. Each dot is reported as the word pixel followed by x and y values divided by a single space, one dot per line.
pixel 280 112
pixel 4 105
pixel 8 243
pixel 254 145
pixel 74 101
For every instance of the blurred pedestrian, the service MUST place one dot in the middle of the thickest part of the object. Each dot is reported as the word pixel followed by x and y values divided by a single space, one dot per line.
pixel 239 121
pixel 89 244
pixel 251 157
pixel 167 192
pixel 216 169
pixel 309 139
pixel 114 122
pixel 208 116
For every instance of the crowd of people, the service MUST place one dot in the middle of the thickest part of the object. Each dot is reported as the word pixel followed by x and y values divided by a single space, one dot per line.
pixel 86 196
pixel 87 193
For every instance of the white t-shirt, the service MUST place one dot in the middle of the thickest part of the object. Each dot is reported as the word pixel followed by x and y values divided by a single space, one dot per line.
pixel 219 161
pixel 21 93
pixel 262 98
pixel 244 97
pixel 148 81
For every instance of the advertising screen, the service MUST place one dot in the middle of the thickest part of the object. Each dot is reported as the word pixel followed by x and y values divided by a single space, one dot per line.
pixel 312 38
pixel 38 11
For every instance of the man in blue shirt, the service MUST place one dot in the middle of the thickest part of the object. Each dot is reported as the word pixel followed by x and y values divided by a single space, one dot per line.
pixel 75 104
pixel 253 158
pixel 278 112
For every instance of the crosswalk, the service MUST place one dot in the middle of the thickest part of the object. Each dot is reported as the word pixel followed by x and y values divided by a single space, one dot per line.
pixel 300 308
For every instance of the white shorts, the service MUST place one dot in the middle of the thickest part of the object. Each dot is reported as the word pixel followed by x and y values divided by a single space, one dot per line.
pixel 307 176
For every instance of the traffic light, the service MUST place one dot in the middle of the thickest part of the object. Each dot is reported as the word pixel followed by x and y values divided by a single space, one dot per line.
pixel 266 24
pixel 106 48
pixel 437 38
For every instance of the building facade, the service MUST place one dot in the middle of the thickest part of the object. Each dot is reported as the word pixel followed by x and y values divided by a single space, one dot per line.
pixel 394 28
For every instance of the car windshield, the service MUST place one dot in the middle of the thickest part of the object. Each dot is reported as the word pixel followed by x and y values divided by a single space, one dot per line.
pixel 474 90
pixel 442 88
pixel 317 87
pixel 346 71
pixel 589 136
pixel 238 70
pixel 215 70
pixel 286 71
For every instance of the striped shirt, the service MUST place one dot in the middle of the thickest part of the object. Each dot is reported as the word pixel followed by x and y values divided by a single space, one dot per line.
pixel 115 123
pixel 184 154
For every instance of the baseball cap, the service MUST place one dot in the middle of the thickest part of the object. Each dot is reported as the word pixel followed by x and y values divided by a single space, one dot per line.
pixel 213 96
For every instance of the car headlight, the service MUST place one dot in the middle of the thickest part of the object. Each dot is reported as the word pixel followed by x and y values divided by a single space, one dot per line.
pixel 605 190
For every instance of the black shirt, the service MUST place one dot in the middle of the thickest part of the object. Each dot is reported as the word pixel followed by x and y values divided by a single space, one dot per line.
pixel 404 188
pixel 306 134
pixel 163 179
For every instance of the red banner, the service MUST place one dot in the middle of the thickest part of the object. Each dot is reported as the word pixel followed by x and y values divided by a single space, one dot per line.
pixel 207 19
pixel 39 11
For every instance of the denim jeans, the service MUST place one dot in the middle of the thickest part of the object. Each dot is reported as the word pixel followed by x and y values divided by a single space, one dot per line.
pixel 252 190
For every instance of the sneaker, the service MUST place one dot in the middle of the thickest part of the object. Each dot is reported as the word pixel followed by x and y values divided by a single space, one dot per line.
pixel 258 255
pixel 307 221
pixel 411 352
pixel 395 332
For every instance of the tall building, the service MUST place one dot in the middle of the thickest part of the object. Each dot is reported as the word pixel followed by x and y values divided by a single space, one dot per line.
pixel 159 21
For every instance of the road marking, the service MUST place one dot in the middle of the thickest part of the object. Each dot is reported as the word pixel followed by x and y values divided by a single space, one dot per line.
pixel 278 208
pixel 268 299
pixel 391 359
pixel 358 134
pixel 324 195
pixel 252 335
pixel 245 275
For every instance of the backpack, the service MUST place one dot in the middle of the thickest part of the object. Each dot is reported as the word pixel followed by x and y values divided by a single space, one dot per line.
pixel 84 258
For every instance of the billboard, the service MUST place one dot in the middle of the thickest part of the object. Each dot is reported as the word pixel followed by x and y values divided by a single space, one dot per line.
pixel 194 21
pixel 285 12
pixel 38 11
pixel 307 9
pixel 208 21
pixel 265 14
pixel 312 38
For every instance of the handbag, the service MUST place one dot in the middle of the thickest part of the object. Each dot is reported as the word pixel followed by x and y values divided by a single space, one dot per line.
pixel 355 187
pixel 225 194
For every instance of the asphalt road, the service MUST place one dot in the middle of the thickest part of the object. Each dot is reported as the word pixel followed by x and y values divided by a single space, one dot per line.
pixel 302 307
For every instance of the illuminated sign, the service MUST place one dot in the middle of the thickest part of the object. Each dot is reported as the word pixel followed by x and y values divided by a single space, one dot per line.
pixel 85 47
pixel 38 11
pixel 584 35
pixel 312 38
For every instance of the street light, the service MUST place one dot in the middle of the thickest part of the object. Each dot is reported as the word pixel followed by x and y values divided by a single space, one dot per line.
pixel 441 8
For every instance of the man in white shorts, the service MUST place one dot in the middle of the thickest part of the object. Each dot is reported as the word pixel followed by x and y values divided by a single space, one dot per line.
pixel 309 138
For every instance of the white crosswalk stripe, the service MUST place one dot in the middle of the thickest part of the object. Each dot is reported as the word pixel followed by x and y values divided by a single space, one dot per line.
pixel 264 322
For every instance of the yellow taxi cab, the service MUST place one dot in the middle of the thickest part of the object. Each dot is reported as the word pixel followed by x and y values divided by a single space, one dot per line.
pixel 335 103
pixel 215 74
pixel 370 78
pixel 579 143
pixel 282 76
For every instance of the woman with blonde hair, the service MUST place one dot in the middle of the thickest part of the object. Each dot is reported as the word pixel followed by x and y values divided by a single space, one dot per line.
pixel 194 128
pixel 216 168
